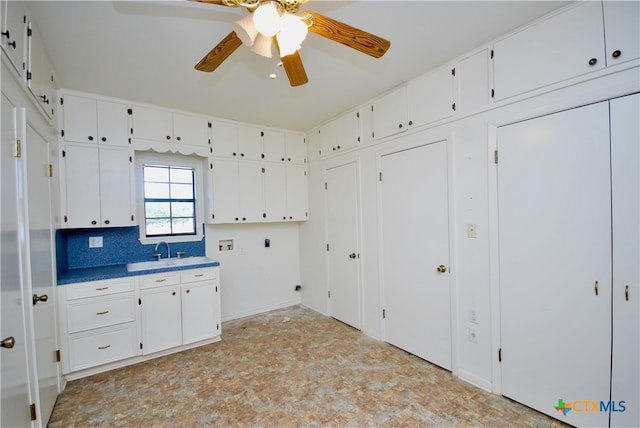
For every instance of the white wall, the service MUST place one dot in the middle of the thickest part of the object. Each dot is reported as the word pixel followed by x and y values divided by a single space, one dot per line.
pixel 256 279
pixel 471 141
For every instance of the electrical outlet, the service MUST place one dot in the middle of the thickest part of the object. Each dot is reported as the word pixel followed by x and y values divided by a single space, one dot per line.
pixel 95 242
pixel 474 335
pixel 472 231
pixel 474 315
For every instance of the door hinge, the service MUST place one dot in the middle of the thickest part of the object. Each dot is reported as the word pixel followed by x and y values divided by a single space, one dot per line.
pixel 64 154
pixel 139 301
pixel 453 106
pixel 29 75
pixel 217 327
pixel 61 101
pixel 216 288
pixel 62 132
pixel 32 411
pixel 17 149
pixel 500 355
pixel 358 114
pixel 380 176
pixel 130 159
pixel 49 170
pixel 325 186
pixel 491 53
pixel 495 156
pixel 209 124
pixel 453 71
pixel 66 219
pixel 384 313
pixel 493 93
pixel 329 293
pixel 327 247
pixel 140 345
pixel 58 356
pixel 132 218
pixel 129 111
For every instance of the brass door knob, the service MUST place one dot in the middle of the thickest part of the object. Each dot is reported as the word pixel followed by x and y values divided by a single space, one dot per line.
pixel 442 268
pixel 42 298
pixel 8 343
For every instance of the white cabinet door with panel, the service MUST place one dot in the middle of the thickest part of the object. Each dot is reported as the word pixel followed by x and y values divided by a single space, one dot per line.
pixel 116 201
pixel 200 305
pixel 390 113
pixel 190 129
pixel 296 148
pixel 151 124
pixel 297 201
pixel 249 143
pixel 622 30
pixel 40 76
pixel 561 46
pixel 275 191
pixel 238 191
pixel 430 97
pixel 87 120
pixel 160 314
pixel 274 148
pixel 342 133
pixel 14 34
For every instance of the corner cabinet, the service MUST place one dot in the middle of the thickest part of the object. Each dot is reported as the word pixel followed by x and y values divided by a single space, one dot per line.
pixel 112 323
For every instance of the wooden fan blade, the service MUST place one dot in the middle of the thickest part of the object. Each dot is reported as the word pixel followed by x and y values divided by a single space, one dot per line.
pixel 347 35
pixel 295 70
pixel 218 2
pixel 217 55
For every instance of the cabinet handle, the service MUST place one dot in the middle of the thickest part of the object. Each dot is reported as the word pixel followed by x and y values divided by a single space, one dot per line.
pixel 173 294
pixel 94 222
pixel 441 268
pixel 102 313
pixel 626 293
pixel 593 61
pixel 282 159
pixel 178 138
pixel 90 138
pixel 241 155
pixel 201 274
pixel 161 280
pixel 596 287
pixel 106 222
pixel 44 99
pixel 103 139
pixel 616 53
pixel 6 34
pixel 168 137
pixel 399 126
pixel 102 288
pixel 8 343
pixel 104 347
pixel 410 122
pixel 37 298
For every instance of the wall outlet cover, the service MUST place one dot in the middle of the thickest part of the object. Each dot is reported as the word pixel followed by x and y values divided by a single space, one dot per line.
pixel 95 242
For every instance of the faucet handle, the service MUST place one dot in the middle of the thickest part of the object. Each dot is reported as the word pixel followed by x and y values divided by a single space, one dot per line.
pixel 179 254
pixel 157 256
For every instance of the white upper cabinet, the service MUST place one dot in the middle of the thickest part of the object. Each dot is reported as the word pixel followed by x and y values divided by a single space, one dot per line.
pixel 86 120
pixel 562 46
pixel 40 75
pixel 430 97
pixel 472 75
pixel 622 29
pixel 249 142
pixel 165 126
pixel 296 148
pixel 235 140
pixel 274 146
pixel 14 34
pixel 390 113
pixel 342 133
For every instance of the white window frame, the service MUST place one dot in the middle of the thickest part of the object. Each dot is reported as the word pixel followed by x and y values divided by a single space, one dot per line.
pixel 197 163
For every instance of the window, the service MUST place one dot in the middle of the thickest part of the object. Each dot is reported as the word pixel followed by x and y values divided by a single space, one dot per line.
pixel 169 200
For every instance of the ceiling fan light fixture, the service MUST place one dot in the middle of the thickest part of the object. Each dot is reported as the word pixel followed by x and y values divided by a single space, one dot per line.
pixel 262 45
pixel 293 32
pixel 266 18
pixel 246 30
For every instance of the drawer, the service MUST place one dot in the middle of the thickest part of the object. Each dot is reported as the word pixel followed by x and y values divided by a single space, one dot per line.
pixel 196 275
pixel 92 348
pixel 160 279
pixel 99 288
pixel 93 313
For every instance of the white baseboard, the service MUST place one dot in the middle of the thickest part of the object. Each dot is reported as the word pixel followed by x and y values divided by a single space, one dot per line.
pixel 475 380
pixel 259 310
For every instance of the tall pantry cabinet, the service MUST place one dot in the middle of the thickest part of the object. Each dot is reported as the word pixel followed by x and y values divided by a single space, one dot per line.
pixel 568 208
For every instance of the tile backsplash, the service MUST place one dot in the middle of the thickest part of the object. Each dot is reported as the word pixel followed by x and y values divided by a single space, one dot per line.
pixel 119 246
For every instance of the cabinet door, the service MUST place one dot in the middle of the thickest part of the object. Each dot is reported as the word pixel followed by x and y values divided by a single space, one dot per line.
pixel 14 34
pixel 192 130
pixel 555 279
pixel 224 139
pixel 342 133
pixel 296 148
pixel 622 30
pixel 113 125
pixel 249 143
pixel 199 318
pixel 273 143
pixel 40 72
pixel 472 74
pixel 152 124
pixel 225 190
pixel 115 187
pixel 250 192
pixel 275 192
pixel 430 97
pixel 161 319
pixel 390 113
pixel 562 46
pixel 82 186
pixel 625 161
pixel 80 120
pixel 297 202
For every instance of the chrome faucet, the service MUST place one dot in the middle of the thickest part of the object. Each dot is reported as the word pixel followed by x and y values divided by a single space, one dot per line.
pixel 168 250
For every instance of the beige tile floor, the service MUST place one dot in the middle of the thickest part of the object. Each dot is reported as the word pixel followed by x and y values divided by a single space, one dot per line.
pixel 286 368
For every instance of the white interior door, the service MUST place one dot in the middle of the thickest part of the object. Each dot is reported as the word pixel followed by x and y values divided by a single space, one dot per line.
pixel 554 208
pixel 415 243
pixel 15 394
pixel 41 263
pixel 343 255
pixel 625 176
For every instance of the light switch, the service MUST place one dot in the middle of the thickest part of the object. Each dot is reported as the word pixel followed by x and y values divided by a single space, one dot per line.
pixel 95 242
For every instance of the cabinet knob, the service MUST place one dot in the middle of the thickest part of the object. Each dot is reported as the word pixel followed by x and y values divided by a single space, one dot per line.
pixel 441 268
pixel 90 138
pixel 399 126
pixel 282 159
pixel 410 123
pixel 168 137
pixel 178 138
pixel 188 291
pixel 94 222
pixel 35 299
pixel 244 219
pixel 237 219
pixel 616 53
pixel 173 294
pixel 593 61
pixel 107 222
pixel 241 155
pixel 8 343
pixel 234 153
pixel 103 139
pixel 289 159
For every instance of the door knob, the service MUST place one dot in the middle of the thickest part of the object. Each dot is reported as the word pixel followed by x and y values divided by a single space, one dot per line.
pixel 8 342
pixel 42 298
pixel 442 268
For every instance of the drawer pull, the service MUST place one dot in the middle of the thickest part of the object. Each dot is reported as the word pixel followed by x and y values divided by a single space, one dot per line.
pixel 104 347
pixel 102 313
pixel 198 275
pixel 161 280
pixel 102 288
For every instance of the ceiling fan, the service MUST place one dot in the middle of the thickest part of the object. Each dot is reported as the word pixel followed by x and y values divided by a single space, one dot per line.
pixel 274 22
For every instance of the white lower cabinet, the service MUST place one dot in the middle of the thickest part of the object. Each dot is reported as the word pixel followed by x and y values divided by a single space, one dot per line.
pixel 111 323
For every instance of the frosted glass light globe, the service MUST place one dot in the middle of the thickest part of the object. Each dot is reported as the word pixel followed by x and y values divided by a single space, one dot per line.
pixel 267 19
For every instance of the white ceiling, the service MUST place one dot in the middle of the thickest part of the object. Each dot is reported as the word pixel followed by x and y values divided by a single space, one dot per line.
pixel 145 52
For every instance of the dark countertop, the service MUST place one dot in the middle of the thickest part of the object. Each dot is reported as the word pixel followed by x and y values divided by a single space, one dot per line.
pixel 97 273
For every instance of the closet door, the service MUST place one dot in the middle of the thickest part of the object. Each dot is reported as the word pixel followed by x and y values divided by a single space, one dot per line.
pixel 625 161
pixel 554 202
pixel 415 252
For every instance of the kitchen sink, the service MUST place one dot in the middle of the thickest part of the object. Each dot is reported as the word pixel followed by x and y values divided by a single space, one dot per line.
pixel 167 263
